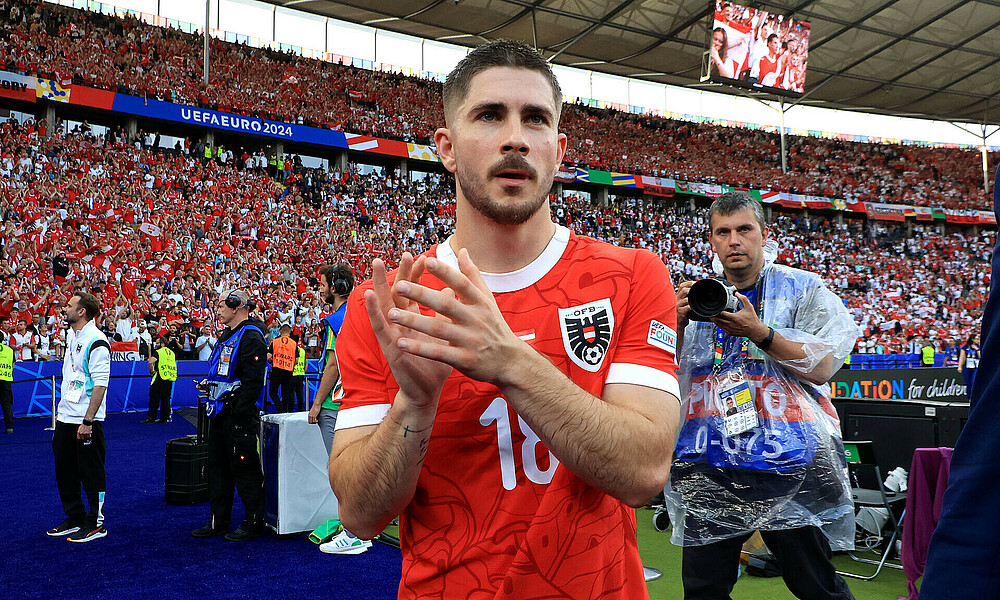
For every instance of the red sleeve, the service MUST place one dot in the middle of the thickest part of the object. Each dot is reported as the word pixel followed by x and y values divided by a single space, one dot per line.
pixel 645 354
pixel 368 384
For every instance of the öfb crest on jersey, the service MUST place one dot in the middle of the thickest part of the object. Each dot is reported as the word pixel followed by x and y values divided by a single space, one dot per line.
pixel 586 332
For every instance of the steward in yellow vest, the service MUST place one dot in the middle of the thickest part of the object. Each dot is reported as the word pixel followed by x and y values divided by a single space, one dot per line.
pixel 6 393
pixel 927 355
pixel 163 368
pixel 299 376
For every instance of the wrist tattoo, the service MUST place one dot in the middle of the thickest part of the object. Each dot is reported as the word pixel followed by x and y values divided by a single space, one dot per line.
pixel 407 430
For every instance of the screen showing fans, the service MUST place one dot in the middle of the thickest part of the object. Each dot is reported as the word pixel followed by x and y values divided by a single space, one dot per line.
pixel 751 47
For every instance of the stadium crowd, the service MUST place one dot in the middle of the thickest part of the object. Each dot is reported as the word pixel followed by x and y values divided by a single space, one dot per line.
pixel 127 55
pixel 159 234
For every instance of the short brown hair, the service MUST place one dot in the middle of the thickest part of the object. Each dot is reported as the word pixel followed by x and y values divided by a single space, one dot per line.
pixel 498 53
pixel 340 270
pixel 90 304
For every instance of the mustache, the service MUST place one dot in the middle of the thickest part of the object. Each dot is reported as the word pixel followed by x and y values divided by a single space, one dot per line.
pixel 514 162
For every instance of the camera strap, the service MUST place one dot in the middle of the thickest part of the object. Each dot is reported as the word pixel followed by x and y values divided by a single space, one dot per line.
pixel 720 336
pixel 732 387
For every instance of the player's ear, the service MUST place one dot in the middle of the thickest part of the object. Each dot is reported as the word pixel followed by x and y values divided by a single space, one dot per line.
pixel 445 148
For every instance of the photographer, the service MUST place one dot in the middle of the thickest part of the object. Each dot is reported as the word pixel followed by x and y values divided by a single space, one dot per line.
pixel 761 447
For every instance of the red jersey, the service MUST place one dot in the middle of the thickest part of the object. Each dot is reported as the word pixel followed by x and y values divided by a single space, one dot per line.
pixel 495 515
pixel 768 66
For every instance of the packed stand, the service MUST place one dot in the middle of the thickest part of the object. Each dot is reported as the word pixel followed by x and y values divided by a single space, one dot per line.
pixel 900 289
pixel 159 234
pixel 127 55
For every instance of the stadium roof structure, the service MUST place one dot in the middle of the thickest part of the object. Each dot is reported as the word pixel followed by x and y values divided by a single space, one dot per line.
pixel 919 58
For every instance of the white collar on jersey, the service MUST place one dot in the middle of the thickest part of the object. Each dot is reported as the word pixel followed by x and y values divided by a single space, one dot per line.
pixel 525 276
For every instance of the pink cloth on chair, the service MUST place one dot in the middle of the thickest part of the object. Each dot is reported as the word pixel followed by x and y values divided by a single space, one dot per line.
pixel 925 491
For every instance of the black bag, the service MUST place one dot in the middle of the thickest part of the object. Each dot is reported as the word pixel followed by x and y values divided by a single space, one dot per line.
pixel 186 480
pixel 762 566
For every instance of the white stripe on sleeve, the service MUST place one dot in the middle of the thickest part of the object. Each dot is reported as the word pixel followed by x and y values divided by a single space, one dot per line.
pixel 360 416
pixel 644 376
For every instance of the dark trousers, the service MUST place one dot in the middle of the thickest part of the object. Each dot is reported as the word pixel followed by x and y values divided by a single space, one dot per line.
pixel 159 397
pixel 969 375
pixel 282 390
pixel 298 384
pixel 234 465
pixel 7 404
pixel 80 463
pixel 709 572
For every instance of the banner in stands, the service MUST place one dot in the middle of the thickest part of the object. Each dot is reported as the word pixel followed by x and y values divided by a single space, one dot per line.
pixel 932 383
pixel 56 91
pixel 18 87
pixel 566 174
pixel 658 186
pixel 124 351
pixel 128 390
pixel 886 212
pixel 190 115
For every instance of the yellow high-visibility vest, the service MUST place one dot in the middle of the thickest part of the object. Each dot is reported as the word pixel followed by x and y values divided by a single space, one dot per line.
pixel 6 363
pixel 300 364
pixel 927 355
pixel 166 365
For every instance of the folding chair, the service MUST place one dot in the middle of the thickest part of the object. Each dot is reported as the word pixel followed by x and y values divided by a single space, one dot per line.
pixel 861 458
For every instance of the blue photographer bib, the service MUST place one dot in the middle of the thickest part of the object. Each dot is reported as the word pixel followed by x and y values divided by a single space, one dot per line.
pixel 784 433
pixel 222 379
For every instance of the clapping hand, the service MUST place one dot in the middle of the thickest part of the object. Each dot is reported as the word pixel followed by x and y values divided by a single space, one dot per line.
pixel 419 379
pixel 468 331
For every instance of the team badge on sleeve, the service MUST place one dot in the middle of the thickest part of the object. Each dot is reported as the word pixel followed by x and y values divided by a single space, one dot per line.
pixel 662 336
pixel 586 332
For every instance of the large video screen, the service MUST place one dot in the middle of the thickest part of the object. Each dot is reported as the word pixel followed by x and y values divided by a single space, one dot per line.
pixel 753 48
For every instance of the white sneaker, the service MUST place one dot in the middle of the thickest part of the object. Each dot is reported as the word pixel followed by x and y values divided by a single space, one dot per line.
pixel 344 543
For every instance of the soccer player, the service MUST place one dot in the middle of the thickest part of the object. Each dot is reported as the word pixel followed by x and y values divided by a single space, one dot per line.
pixel 510 416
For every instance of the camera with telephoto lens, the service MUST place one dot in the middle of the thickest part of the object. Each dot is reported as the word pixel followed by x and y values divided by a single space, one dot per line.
pixel 710 297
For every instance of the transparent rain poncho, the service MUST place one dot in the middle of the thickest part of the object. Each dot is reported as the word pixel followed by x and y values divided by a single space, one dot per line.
pixel 790 470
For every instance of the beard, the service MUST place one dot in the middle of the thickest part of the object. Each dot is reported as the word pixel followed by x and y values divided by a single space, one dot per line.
pixel 329 298
pixel 474 188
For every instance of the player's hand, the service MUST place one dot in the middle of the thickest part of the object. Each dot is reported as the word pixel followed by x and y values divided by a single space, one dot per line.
pixel 469 332
pixel 314 413
pixel 83 432
pixel 683 305
pixel 742 323
pixel 419 379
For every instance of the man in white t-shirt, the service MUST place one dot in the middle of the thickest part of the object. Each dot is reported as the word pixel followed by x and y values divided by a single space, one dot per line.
pixel 23 342
pixel 124 325
pixel 286 314
pixel 205 343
